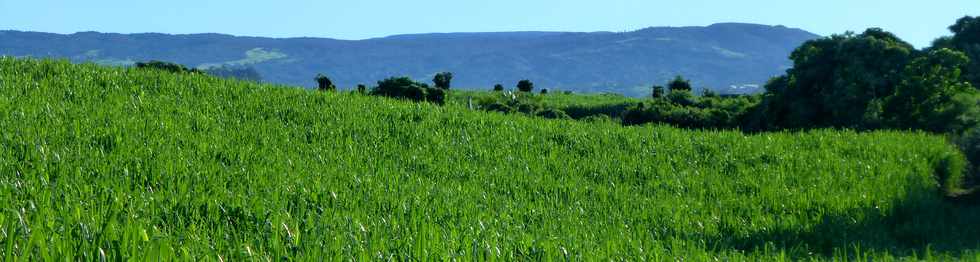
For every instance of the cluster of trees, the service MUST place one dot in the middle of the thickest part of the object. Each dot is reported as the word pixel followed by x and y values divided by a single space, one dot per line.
pixel 678 106
pixel 400 87
pixel 522 103
pixel 872 80
pixel 167 66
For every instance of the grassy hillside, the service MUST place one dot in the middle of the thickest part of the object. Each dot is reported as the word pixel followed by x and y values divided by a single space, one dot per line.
pixel 124 164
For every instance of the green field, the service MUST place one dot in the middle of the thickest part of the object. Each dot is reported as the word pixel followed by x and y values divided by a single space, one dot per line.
pixel 134 164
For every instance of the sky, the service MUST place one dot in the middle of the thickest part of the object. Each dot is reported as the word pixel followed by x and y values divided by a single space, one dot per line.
pixel 916 21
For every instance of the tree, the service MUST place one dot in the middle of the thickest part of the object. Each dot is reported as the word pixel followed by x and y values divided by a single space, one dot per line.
pixel 443 80
pixel 966 39
pixel 838 81
pixel 544 91
pixel 361 88
pixel 658 91
pixel 679 84
pixel 525 85
pixel 933 96
pixel 323 83
pixel 498 87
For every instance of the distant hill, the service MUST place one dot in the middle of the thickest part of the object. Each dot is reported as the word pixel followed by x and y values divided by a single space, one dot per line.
pixel 725 57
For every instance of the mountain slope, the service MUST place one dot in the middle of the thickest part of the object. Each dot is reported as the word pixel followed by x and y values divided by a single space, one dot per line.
pixel 716 56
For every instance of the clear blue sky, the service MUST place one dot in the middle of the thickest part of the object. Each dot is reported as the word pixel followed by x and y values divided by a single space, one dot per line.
pixel 916 21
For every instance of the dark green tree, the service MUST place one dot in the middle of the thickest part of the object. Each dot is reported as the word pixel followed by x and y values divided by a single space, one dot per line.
pixel 658 91
pixel 361 88
pixel 406 88
pixel 443 80
pixel 838 81
pixel 525 85
pixel 933 96
pixel 544 91
pixel 323 83
pixel 498 87
pixel 966 39
pixel 237 72
pixel 679 84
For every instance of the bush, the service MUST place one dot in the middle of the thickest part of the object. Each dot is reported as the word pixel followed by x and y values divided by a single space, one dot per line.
pixel 361 89
pixel 969 143
pixel 166 66
pixel 525 86
pixel 682 98
pixel 498 88
pixel 544 91
pixel 679 84
pixel 323 83
pixel 498 107
pixel 436 95
pixel 553 114
pixel 658 91
pixel 404 87
pixel 443 80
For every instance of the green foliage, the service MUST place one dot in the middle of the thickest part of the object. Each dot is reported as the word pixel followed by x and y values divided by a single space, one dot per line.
pixel 406 88
pixel 966 39
pixel 147 165
pixel 679 84
pixel 682 109
pixel 324 83
pixel 166 66
pixel 838 81
pixel 361 89
pixel 658 91
pixel 498 88
pixel 682 98
pixel 544 91
pixel 525 86
pixel 443 80
pixel 932 96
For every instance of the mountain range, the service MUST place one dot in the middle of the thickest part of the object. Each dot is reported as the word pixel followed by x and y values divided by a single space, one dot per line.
pixel 727 57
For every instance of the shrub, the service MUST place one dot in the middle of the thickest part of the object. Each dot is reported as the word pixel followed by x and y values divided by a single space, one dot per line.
pixel 682 98
pixel 600 118
pixel 361 89
pixel 658 91
pixel 525 86
pixel 498 88
pixel 404 87
pixel 498 107
pixel 436 95
pixel 323 83
pixel 166 66
pixel 553 114
pixel 679 84
pixel 544 91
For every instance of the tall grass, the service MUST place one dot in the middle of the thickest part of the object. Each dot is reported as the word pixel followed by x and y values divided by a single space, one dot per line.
pixel 117 163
